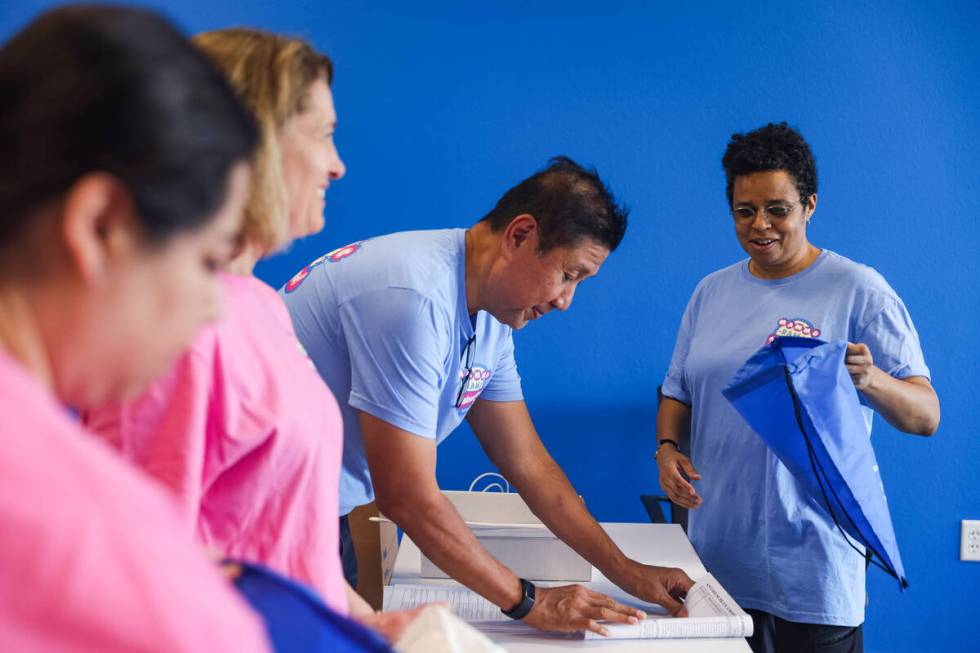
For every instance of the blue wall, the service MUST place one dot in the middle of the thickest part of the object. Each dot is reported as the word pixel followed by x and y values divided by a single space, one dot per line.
pixel 442 108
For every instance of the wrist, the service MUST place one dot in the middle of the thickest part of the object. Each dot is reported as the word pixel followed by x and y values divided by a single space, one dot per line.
pixel 874 379
pixel 665 444
pixel 514 595
pixel 524 606
pixel 619 569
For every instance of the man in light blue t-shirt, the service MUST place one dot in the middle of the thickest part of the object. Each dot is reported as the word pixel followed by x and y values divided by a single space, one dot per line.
pixel 412 332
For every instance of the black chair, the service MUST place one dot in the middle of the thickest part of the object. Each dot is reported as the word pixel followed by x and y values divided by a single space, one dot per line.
pixel 653 503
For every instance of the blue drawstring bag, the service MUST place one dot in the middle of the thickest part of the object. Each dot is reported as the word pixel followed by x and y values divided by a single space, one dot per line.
pixel 797 395
pixel 296 620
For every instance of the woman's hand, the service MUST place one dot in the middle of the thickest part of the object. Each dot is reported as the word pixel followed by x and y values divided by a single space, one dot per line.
pixel 390 625
pixel 860 365
pixel 909 404
pixel 675 470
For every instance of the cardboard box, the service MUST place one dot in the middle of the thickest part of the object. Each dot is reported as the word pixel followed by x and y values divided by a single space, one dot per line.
pixel 507 528
pixel 376 545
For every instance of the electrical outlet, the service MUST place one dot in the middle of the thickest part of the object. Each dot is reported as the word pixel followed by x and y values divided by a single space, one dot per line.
pixel 970 539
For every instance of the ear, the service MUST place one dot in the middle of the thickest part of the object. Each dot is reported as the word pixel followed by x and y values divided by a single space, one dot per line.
pixel 809 207
pixel 521 232
pixel 98 224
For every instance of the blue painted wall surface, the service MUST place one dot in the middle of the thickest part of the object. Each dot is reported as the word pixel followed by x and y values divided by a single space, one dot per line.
pixel 442 107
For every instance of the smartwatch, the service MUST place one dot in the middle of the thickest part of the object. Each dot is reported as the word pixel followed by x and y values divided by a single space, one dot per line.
pixel 521 610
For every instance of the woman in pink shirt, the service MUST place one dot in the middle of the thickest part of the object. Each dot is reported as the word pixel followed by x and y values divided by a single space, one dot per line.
pixel 122 182
pixel 243 430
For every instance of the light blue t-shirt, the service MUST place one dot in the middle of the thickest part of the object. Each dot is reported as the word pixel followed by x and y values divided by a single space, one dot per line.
pixel 386 324
pixel 771 546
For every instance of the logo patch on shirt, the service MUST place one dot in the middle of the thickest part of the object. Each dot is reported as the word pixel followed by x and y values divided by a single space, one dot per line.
pixel 476 378
pixel 334 256
pixel 339 254
pixel 794 326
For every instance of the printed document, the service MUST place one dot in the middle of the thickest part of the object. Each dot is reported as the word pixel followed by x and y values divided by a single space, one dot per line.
pixel 712 613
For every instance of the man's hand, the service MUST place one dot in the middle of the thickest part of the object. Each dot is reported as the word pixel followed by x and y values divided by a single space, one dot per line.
pixel 664 586
pixel 675 470
pixel 574 607
pixel 860 364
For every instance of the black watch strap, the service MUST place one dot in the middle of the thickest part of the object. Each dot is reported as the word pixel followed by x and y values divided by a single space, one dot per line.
pixel 522 609
pixel 661 443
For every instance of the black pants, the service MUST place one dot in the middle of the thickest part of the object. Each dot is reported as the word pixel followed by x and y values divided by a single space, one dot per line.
pixel 775 635
pixel 347 554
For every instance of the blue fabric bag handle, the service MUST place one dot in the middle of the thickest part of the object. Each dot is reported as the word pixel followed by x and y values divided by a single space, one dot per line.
pixel 797 395
pixel 296 620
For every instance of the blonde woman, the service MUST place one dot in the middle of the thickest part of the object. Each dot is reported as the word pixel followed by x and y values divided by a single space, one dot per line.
pixel 242 429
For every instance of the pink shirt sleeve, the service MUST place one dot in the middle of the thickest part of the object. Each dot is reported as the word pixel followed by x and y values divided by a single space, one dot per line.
pixel 248 438
pixel 177 405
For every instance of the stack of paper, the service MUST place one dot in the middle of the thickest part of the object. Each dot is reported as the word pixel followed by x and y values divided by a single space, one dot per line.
pixel 711 613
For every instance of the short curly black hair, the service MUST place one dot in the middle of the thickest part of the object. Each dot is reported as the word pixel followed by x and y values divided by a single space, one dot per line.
pixel 777 146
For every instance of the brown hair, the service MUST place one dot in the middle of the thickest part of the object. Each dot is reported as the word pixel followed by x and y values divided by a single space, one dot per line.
pixel 272 75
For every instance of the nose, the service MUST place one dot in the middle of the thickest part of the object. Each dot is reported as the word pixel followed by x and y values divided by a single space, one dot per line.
pixel 337 167
pixel 761 221
pixel 564 300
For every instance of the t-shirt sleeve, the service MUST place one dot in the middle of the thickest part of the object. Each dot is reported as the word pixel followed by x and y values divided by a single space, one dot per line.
pixel 894 342
pixel 675 383
pixel 163 431
pixel 505 383
pixel 395 341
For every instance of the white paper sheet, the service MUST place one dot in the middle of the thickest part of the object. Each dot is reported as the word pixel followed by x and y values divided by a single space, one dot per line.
pixel 465 604
pixel 712 612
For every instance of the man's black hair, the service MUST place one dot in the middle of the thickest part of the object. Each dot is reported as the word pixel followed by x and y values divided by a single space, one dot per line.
pixel 569 202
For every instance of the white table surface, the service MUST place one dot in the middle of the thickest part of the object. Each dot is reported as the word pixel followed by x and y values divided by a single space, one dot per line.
pixel 655 544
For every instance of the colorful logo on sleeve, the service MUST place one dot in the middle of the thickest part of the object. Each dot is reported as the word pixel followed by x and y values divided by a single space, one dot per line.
pixel 335 256
pixel 339 254
pixel 795 326
pixel 474 380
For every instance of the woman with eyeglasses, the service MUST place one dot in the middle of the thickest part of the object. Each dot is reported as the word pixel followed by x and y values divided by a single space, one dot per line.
pixel 780 555
pixel 122 181
pixel 242 429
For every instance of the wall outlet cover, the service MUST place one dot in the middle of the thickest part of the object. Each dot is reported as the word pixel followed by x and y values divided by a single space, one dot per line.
pixel 970 539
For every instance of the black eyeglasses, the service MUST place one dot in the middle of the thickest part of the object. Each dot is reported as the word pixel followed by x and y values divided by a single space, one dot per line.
pixel 465 374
